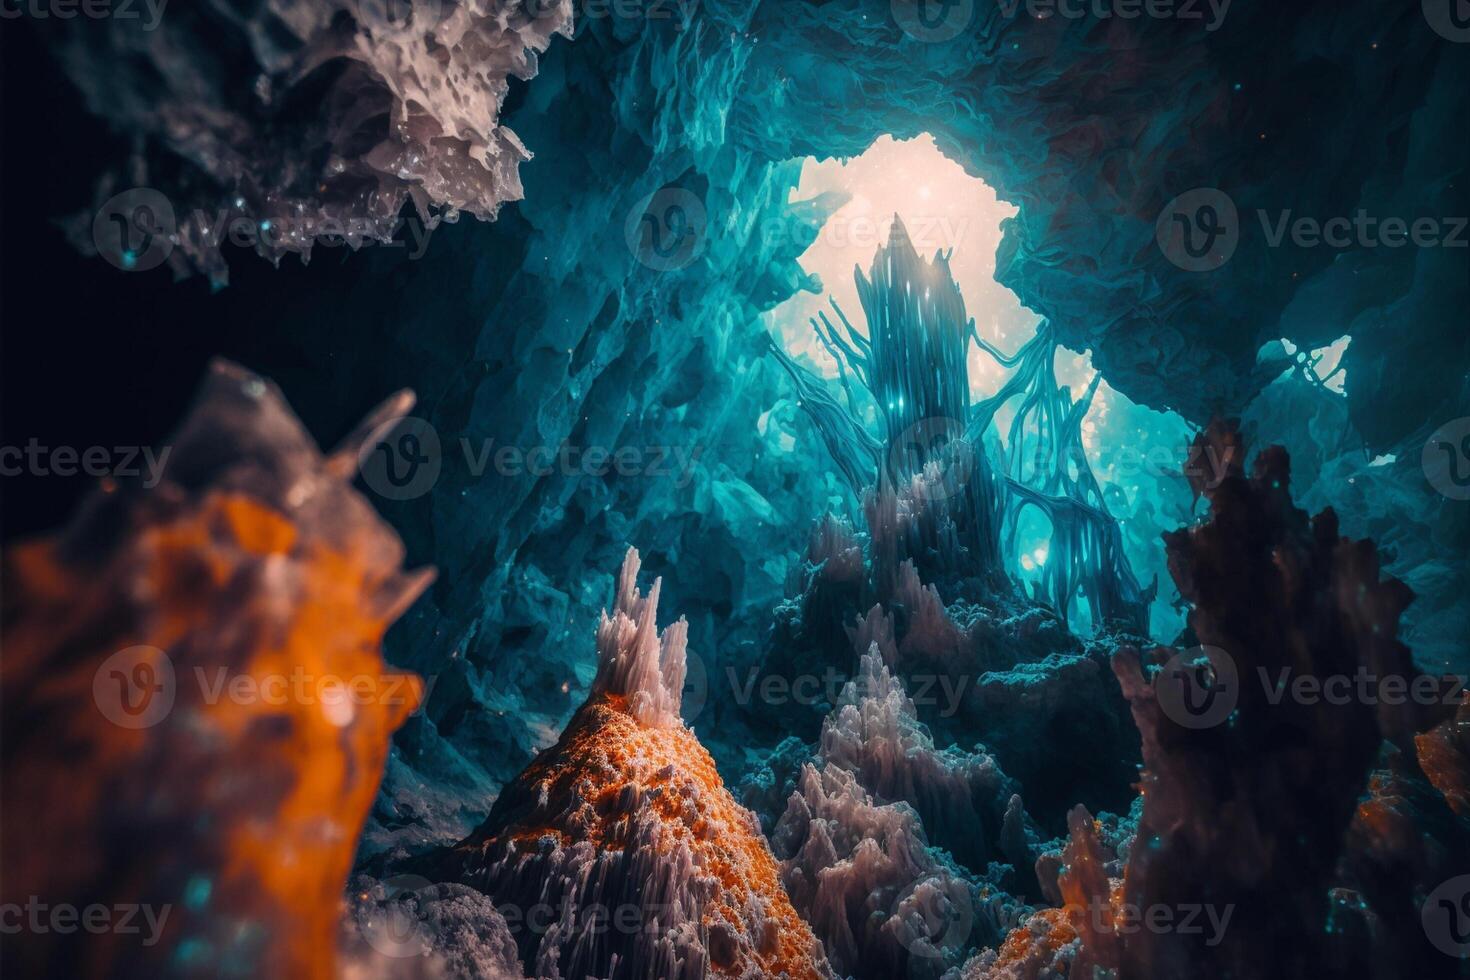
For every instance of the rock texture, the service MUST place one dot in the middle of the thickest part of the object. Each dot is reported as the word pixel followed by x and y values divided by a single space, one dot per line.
pixel 313 118
pixel 1277 807
pixel 619 848
pixel 158 747
pixel 877 836
pixel 537 329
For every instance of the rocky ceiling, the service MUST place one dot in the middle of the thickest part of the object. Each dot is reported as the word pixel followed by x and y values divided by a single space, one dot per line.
pixel 1092 125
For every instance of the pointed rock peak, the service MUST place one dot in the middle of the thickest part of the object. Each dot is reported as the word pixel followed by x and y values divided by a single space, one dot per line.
pixel 635 662
pixel 898 233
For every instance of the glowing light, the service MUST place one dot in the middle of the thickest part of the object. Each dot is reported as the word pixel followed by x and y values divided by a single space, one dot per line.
pixel 942 207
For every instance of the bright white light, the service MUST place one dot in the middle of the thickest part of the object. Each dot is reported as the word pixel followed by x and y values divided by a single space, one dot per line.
pixel 943 209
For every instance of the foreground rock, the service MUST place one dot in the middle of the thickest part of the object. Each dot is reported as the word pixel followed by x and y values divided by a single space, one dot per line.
pixel 196 708
pixel 619 852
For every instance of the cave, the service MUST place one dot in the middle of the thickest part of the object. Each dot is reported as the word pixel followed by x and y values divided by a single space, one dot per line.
pixel 872 458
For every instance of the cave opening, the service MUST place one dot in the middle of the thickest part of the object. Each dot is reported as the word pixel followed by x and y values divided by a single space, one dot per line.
pixel 1132 449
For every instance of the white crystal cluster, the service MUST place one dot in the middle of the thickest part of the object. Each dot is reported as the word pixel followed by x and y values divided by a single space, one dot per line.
pixel 634 660
pixel 856 859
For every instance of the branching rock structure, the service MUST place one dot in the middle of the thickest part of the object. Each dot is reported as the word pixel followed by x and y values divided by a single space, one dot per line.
pixel 931 494
pixel 1048 470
